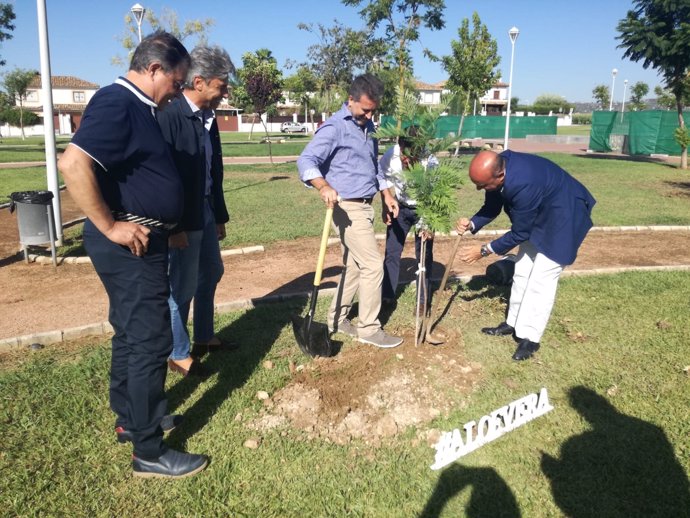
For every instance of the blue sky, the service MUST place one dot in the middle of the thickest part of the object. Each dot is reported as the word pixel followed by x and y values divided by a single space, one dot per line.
pixel 564 47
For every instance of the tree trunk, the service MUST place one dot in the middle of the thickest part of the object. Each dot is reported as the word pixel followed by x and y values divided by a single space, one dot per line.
pixel 21 119
pixel 268 139
pixel 681 123
pixel 251 128
pixel 462 121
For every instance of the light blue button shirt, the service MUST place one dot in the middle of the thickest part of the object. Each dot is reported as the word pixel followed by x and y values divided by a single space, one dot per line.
pixel 346 155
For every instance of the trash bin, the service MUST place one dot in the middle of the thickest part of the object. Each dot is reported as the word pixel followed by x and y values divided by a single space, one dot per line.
pixel 35 219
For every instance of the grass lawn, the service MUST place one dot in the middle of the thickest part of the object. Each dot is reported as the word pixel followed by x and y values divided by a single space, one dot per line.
pixel 615 445
pixel 576 129
pixel 268 203
pixel 23 179
pixel 14 149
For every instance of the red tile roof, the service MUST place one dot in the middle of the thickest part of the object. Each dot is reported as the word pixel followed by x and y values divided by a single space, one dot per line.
pixel 64 82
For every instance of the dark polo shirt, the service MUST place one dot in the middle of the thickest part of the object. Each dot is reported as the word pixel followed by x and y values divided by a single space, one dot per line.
pixel 136 172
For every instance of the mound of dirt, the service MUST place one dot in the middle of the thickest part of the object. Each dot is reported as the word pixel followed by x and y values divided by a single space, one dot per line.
pixel 371 394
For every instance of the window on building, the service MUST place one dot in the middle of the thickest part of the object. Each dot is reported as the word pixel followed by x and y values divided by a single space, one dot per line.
pixel 497 94
pixel 79 97
pixel 428 98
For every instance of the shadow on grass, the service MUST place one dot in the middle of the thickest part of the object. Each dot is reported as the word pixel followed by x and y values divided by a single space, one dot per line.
pixel 256 331
pixel 628 158
pixel 622 467
pixel 271 179
pixel 491 496
pixel 683 188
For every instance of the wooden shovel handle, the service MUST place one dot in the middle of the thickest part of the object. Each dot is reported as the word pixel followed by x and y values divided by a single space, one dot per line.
pixel 324 244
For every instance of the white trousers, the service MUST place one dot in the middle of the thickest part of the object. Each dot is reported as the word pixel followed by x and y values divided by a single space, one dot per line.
pixel 533 293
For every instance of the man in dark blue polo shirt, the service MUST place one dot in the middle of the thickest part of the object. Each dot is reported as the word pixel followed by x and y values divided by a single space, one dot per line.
pixel 120 172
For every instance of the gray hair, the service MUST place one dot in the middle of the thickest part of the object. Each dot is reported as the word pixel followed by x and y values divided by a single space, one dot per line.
pixel 159 47
pixel 209 63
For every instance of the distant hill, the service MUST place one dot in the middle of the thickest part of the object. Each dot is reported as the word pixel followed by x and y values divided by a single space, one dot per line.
pixel 591 106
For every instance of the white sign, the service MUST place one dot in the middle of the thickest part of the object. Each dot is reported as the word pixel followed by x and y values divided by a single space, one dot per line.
pixel 451 445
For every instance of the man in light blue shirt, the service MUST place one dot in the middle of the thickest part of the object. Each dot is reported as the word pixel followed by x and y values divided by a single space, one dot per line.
pixel 342 162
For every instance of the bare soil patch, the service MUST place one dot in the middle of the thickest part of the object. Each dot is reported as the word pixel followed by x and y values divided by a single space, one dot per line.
pixel 371 394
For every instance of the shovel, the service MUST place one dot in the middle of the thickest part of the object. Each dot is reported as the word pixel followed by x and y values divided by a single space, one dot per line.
pixel 426 333
pixel 313 337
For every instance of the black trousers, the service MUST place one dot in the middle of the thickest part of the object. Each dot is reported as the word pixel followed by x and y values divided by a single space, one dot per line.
pixel 395 242
pixel 138 290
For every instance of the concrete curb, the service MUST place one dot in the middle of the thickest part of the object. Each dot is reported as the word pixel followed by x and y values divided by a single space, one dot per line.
pixel 44 259
pixel 104 328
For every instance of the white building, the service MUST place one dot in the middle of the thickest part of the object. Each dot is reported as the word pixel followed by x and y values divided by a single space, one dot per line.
pixel 70 97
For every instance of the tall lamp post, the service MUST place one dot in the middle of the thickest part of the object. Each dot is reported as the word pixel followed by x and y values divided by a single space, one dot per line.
pixel 613 83
pixel 513 33
pixel 138 11
pixel 625 88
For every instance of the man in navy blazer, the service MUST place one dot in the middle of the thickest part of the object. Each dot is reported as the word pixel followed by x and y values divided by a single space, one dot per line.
pixel 190 128
pixel 550 212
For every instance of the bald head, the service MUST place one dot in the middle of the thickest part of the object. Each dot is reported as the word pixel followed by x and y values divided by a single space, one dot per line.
pixel 487 170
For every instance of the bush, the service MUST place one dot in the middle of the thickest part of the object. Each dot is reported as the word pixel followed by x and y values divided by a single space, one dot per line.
pixel 11 116
pixel 582 118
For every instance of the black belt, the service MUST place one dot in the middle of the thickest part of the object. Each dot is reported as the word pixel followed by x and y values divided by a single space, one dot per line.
pixel 359 200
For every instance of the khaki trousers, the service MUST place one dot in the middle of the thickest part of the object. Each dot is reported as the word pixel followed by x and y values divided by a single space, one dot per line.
pixel 363 267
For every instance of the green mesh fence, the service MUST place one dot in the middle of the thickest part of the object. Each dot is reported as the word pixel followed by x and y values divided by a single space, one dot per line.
pixel 637 133
pixel 491 127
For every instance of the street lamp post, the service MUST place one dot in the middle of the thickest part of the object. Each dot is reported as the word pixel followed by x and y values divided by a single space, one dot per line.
pixel 138 11
pixel 513 33
pixel 625 88
pixel 613 83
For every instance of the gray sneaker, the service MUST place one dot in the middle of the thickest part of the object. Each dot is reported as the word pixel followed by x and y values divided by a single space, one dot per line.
pixel 381 339
pixel 345 327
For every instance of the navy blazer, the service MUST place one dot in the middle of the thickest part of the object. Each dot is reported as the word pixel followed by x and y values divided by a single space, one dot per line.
pixel 184 133
pixel 546 206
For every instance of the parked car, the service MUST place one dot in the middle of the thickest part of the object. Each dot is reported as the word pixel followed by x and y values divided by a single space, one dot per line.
pixel 293 127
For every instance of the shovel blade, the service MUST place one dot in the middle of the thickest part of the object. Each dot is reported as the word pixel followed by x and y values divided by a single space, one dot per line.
pixel 312 337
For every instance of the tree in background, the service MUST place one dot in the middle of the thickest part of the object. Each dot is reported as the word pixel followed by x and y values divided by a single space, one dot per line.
pixel 402 20
pixel 550 103
pixel 657 33
pixel 16 84
pixel 341 54
pixel 602 96
pixel 637 94
pixel 301 85
pixel 167 21
pixel 7 16
pixel 472 65
pixel 665 98
pixel 260 86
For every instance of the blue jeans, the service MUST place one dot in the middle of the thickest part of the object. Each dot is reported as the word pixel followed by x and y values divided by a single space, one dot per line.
pixel 194 274
pixel 396 233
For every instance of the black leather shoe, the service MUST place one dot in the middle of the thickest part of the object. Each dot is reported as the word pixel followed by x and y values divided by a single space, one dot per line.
pixel 172 464
pixel 168 424
pixel 525 349
pixel 501 329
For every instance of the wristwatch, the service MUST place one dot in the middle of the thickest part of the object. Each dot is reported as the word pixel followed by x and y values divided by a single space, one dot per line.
pixel 485 251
